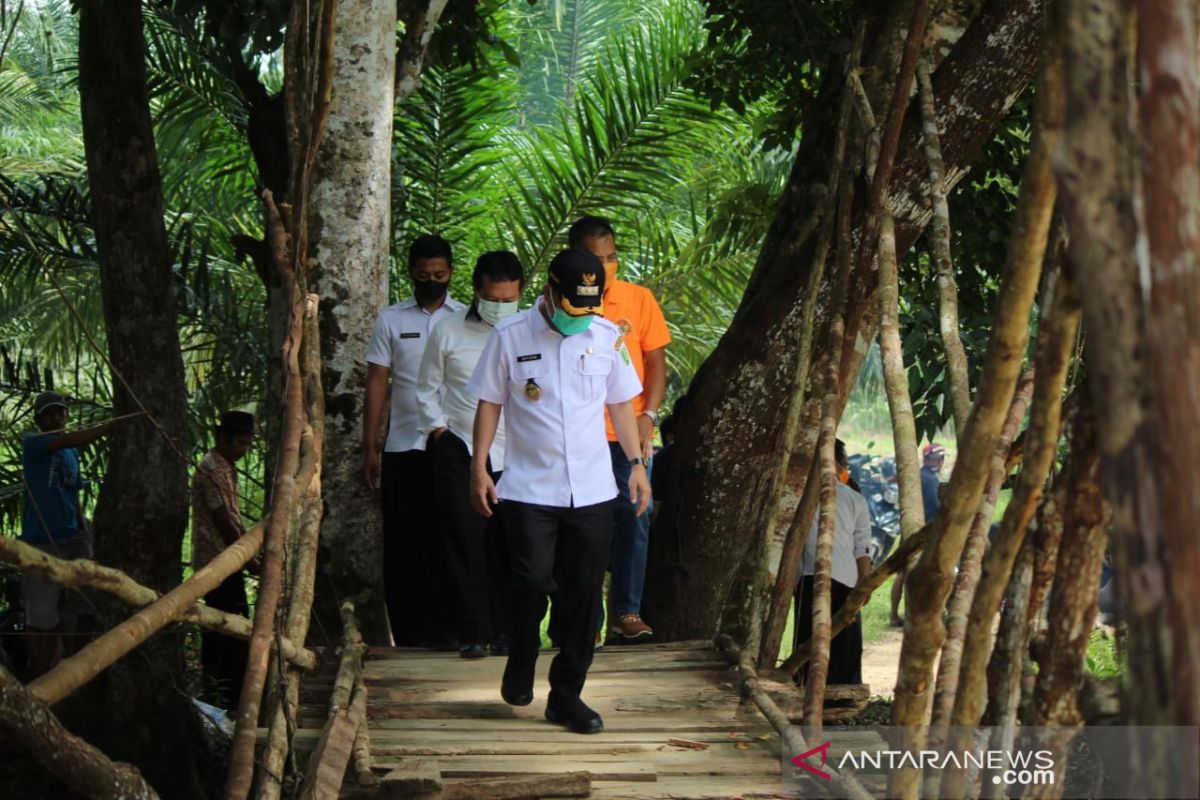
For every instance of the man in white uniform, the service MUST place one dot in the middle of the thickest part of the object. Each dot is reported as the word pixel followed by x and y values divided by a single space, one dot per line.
pixel 404 474
pixel 851 564
pixel 471 545
pixel 552 370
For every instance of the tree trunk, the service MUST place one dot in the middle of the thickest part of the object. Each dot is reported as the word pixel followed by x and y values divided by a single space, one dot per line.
pixel 1073 598
pixel 143 506
pixel 727 454
pixel 1007 666
pixel 822 611
pixel 895 380
pixel 1170 156
pixel 1142 360
pixel 349 223
pixel 956 354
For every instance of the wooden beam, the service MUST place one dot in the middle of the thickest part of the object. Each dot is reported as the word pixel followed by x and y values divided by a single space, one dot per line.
pixel 98 655
pixel 347 712
pixel 84 572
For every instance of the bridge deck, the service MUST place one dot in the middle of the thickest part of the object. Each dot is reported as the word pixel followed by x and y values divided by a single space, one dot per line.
pixel 447 711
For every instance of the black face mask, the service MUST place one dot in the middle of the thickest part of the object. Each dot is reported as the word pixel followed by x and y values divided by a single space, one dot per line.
pixel 429 291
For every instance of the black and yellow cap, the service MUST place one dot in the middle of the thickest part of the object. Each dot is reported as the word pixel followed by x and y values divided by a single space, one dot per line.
pixel 578 278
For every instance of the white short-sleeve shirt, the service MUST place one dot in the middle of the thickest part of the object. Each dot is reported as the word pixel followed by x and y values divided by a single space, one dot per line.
pixel 554 389
pixel 443 401
pixel 397 343
pixel 851 537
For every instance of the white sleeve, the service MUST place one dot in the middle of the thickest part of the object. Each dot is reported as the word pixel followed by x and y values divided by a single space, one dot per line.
pixel 379 350
pixel 862 527
pixel 490 380
pixel 431 378
pixel 623 383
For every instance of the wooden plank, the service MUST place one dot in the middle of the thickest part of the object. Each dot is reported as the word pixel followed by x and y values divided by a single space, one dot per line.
pixel 411 778
pixel 327 765
pixel 386 653
pixel 677 724
pixel 704 788
pixel 569 784
pixel 600 768
pixel 544 734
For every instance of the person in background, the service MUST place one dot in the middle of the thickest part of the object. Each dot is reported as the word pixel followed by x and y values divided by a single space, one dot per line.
pixel 53 522
pixel 472 545
pixel 851 564
pixel 644 334
pixel 933 458
pixel 416 603
pixel 553 370
pixel 216 524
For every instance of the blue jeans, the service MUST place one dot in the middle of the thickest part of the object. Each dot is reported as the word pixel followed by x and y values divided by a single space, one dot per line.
pixel 630 543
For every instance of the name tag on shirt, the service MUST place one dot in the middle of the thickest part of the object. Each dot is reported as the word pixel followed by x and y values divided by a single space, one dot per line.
pixel 532 357
pixel 410 336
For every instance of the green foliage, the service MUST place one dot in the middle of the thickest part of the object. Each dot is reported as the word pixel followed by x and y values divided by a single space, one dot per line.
pixel 449 139
pixel 1101 658
pixel 773 51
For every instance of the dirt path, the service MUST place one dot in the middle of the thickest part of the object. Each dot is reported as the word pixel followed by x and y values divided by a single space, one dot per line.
pixel 879 662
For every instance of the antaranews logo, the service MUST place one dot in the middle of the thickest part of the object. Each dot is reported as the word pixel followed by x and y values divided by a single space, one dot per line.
pixel 801 761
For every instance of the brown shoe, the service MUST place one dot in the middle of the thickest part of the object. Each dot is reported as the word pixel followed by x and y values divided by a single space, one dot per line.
pixel 630 628
pixel 599 645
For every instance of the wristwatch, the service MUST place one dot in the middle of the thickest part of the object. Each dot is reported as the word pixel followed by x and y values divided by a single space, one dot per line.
pixel 637 462
pixel 653 415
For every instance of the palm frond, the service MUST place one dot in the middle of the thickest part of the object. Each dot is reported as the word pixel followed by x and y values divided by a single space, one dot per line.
pixel 626 140
pixel 449 138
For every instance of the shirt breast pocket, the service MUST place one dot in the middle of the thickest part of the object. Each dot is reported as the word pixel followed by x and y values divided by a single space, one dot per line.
pixel 529 379
pixel 593 376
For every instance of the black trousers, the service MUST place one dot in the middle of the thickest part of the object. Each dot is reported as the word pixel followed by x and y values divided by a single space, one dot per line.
pixel 472 547
pixel 414 574
pixel 223 658
pixel 845 651
pixel 560 553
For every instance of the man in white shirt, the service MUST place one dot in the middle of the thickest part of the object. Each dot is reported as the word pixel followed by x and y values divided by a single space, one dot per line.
pixel 471 548
pixel 552 370
pixel 851 563
pixel 404 473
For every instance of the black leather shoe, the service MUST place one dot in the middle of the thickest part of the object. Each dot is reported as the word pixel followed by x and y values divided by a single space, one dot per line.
pixel 515 688
pixel 580 719
pixel 472 651
pixel 515 697
pixel 499 647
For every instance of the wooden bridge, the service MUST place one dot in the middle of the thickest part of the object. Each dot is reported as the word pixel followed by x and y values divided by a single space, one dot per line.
pixel 676 726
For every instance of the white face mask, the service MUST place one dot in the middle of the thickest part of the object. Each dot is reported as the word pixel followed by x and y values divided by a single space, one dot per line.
pixel 492 312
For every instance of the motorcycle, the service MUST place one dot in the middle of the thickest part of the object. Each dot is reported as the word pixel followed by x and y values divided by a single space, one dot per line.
pixel 876 478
